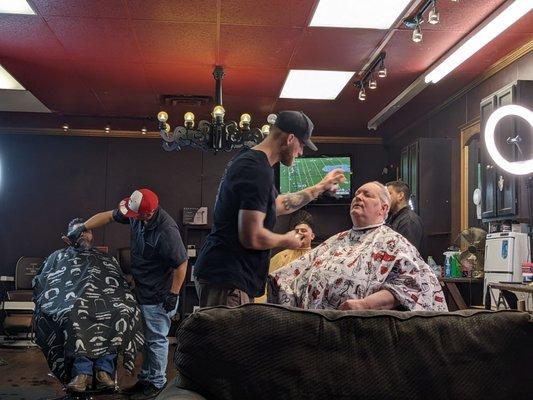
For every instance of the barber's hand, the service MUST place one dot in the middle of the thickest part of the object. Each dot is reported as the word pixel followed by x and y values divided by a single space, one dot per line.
pixel 74 234
pixel 330 183
pixel 171 302
pixel 293 240
pixel 354 304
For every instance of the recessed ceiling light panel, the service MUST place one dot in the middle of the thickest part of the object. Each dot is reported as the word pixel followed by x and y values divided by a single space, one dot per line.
pixel 8 82
pixel 312 84
pixel 15 7
pixel 370 14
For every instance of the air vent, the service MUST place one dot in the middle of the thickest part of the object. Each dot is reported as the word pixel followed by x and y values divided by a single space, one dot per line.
pixel 190 100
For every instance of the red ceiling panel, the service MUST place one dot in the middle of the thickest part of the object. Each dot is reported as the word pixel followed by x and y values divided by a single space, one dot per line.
pixel 257 46
pixel 56 85
pixel 183 43
pixel 115 57
pixel 180 80
pixel 254 81
pixel 174 10
pixel 77 8
pixel 285 13
pixel 97 39
pixel 340 49
pixel 27 37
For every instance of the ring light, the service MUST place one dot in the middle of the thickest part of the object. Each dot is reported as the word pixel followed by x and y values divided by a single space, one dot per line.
pixel 514 167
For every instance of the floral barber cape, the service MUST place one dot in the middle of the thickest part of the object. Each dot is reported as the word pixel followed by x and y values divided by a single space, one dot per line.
pixel 355 264
pixel 84 307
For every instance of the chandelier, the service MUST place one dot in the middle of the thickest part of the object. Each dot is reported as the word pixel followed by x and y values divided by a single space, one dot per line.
pixel 216 134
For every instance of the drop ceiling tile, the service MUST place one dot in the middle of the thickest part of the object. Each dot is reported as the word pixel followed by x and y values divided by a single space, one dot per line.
pixel 257 46
pixel 95 38
pixel 174 10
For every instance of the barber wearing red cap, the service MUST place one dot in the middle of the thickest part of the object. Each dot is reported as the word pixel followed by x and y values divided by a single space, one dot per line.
pixel 158 266
pixel 232 266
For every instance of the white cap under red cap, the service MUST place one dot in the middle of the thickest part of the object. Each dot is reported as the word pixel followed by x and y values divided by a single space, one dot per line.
pixel 141 201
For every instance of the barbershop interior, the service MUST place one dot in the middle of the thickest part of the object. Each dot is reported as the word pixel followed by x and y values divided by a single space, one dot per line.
pixel 266 199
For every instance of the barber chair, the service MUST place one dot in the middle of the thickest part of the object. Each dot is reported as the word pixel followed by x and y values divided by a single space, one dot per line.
pixel 18 304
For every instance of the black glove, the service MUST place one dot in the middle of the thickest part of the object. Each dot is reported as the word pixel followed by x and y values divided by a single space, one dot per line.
pixel 74 234
pixel 170 302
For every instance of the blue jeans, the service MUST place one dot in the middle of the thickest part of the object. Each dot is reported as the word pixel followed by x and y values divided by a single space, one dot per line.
pixel 84 365
pixel 155 349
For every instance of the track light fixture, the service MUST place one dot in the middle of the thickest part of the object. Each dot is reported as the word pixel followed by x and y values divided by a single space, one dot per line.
pixel 362 93
pixel 368 76
pixel 416 20
pixel 417 34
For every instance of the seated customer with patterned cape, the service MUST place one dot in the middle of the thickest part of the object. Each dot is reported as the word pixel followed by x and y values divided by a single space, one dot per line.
pixel 85 310
pixel 367 267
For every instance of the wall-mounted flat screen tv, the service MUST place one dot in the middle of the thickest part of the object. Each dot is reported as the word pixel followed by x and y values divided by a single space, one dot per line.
pixel 307 171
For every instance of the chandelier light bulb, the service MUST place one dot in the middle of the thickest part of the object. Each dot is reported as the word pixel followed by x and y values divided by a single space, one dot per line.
pixel 246 118
pixel 272 118
pixel 417 34
pixel 219 112
pixel 188 117
pixel 65 127
pixel 434 16
pixel 372 84
pixel 362 94
pixel 166 128
pixel 265 129
pixel 162 116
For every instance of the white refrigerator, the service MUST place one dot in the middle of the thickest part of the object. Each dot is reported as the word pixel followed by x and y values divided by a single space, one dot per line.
pixel 504 254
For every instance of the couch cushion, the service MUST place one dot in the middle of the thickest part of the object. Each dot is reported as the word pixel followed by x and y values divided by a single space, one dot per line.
pixel 263 351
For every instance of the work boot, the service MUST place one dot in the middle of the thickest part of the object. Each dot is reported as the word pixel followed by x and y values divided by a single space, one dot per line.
pixel 79 383
pixel 104 381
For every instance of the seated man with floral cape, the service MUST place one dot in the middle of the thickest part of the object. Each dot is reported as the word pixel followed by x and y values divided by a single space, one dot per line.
pixel 367 267
pixel 85 314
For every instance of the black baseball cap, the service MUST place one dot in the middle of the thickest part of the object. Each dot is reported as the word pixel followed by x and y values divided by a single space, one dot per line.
pixel 297 123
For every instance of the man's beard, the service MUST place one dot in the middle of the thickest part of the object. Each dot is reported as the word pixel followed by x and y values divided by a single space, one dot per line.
pixel 285 156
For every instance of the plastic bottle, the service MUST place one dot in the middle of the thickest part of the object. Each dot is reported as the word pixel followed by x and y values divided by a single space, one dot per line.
pixel 447 265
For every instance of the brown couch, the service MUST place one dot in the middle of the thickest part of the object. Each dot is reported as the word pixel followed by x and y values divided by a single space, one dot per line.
pixel 263 351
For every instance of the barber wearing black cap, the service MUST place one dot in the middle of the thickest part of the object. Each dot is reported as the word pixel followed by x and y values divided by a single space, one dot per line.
pixel 233 263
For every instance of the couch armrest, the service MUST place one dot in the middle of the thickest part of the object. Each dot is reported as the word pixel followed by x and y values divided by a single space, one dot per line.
pixel 173 392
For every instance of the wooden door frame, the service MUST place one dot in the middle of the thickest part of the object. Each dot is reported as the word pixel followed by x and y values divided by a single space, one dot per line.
pixel 468 131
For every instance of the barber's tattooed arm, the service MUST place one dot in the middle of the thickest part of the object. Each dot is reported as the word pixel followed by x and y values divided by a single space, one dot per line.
pixel 295 201
pixel 290 202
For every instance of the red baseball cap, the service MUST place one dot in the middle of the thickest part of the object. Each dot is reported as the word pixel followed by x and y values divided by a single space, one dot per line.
pixel 141 201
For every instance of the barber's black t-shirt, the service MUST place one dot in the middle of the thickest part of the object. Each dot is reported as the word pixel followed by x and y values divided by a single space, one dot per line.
pixel 247 184
pixel 156 250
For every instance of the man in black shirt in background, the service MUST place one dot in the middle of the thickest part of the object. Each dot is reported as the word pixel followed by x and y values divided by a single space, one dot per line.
pixel 158 266
pixel 401 218
pixel 232 265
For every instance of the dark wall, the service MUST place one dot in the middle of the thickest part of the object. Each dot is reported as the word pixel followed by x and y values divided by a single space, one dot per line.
pixel 446 124
pixel 45 181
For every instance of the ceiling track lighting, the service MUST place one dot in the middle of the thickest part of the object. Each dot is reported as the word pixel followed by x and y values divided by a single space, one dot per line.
pixel 417 19
pixel 368 76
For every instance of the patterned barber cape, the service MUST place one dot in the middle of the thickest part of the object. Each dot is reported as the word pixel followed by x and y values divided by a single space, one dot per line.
pixel 84 307
pixel 355 264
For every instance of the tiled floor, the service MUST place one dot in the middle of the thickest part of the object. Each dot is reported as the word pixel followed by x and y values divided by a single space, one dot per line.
pixel 25 376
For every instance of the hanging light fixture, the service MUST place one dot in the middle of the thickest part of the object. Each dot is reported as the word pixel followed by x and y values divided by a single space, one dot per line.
pixel 368 76
pixel 434 16
pixel 417 19
pixel 216 134
pixel 417 34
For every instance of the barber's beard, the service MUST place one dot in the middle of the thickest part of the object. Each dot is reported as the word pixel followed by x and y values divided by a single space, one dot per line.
pixel 285 156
